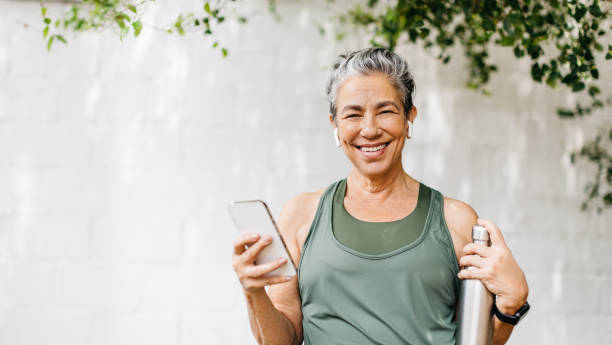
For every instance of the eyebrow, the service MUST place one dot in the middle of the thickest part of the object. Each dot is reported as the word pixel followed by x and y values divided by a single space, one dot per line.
pixel 378 105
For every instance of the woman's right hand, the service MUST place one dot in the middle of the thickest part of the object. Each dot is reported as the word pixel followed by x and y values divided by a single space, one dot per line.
pixel 251 276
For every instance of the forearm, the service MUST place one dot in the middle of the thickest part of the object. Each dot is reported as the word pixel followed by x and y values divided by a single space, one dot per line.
pixel 268 324
pixel 501 331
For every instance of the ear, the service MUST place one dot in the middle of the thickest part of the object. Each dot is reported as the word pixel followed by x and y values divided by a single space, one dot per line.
pixel 412 114
pixel 331 120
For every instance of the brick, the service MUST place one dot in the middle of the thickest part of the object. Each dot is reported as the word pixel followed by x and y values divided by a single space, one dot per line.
pixel 43 145
pixel 73 61
pixel 16 100
pixel 199 327
pixel 160 287
pixel 130 231
pixel 99 285
pixel 134 145
pixel 26 284
pixel 135 328
pixel 44 325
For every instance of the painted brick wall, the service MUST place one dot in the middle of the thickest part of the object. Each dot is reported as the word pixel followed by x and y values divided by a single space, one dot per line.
pixel 117 160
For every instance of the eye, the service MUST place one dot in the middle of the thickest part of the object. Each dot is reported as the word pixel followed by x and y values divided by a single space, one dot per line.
pixel 351 115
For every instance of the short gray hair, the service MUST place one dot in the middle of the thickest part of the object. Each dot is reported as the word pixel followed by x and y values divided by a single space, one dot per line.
pixel 372 60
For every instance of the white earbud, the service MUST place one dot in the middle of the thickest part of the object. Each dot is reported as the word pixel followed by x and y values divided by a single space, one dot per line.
pixel 336 138
pixel 409 129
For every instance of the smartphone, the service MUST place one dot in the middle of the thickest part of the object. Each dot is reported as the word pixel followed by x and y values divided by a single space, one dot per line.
pixel 255 216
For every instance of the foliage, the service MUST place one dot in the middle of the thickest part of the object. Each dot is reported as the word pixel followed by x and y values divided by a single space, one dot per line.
pixel 125 16
pixel 596 153
pixel 562 38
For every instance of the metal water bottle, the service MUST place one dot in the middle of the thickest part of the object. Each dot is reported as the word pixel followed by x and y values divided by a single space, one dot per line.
pixel 475 326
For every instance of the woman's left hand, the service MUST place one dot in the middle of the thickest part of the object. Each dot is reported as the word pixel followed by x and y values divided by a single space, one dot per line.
pixel 497 269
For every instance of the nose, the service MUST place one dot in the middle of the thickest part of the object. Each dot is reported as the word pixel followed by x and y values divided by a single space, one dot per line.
pixel 369 127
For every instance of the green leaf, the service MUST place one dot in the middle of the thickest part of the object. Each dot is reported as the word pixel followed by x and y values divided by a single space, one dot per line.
pixel 50 42
pixel 507 41
pixel 224 52
pixel 45 31
pixel 207 7
pixel 569 79
pixel 607 199
pixel 594 90
pixel 47 20
pixel 242 20
pixel 137 25
pixel 565 113
pixel 580 12
pixel 61 38
pixel 123 16
pixel 215 44
pixel 594 10
pixel 536 72
pixel 608 56
pixel 519 52
pixel 579 86
pixel 43 11
pixel 132 8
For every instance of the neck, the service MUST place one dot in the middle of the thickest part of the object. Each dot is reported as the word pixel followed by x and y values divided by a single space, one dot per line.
pixel 380 187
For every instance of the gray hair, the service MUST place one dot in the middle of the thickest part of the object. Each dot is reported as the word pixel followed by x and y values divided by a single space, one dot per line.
pixel 371 60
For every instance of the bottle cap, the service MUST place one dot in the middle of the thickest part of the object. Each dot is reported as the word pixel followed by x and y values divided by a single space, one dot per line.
pixel 479 233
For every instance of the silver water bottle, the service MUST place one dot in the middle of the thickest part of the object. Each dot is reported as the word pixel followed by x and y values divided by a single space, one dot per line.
pixel 475 326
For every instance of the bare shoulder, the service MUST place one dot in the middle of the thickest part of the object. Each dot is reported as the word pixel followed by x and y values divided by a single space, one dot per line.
pixel 295 220
pixel 459 217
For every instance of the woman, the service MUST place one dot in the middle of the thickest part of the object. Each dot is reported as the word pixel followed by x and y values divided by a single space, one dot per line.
pixel 378 253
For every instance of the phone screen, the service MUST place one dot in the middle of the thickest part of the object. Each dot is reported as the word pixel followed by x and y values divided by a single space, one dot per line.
pixel 254 216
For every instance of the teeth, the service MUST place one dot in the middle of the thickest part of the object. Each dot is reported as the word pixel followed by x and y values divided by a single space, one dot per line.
pixel 373 149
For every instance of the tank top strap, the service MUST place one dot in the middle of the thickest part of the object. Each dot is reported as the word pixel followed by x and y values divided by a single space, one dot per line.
pixel 440 229
pixel 323 210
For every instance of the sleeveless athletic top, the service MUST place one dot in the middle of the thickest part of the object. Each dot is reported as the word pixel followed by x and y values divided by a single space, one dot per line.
pixel 405 296
pixel 378 237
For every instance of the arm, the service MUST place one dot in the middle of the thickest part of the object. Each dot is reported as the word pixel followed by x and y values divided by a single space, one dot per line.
pixel 275 315
pixel 497 268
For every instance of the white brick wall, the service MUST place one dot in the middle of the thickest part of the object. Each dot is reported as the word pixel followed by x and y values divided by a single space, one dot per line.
pixel 117 160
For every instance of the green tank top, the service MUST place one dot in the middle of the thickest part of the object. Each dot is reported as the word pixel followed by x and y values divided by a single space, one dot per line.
pixel 404 296
pixel 378 237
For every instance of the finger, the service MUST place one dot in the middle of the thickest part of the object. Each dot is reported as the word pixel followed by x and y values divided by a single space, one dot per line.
pixel 243 240
pixel 494 232
pixel 261 282
pixel 472 260
pixel 260 270
pixel 474 273
pixel 477 249
pixel 251 253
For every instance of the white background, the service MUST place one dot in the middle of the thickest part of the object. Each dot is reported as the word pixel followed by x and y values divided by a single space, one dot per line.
pixel 117 161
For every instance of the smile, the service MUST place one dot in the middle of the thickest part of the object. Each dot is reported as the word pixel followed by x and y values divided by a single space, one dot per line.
pixel 372 148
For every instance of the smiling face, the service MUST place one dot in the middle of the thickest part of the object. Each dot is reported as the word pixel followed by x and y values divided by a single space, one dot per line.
pixel 372 126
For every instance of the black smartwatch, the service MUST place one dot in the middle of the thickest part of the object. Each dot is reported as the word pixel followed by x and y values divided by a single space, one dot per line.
pixel 511 319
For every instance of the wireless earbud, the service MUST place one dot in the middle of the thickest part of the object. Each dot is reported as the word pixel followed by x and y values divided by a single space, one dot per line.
pixel 409 129
pixel 336 138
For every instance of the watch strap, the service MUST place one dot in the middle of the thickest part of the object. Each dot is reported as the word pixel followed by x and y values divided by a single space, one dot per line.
pixel 511 319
